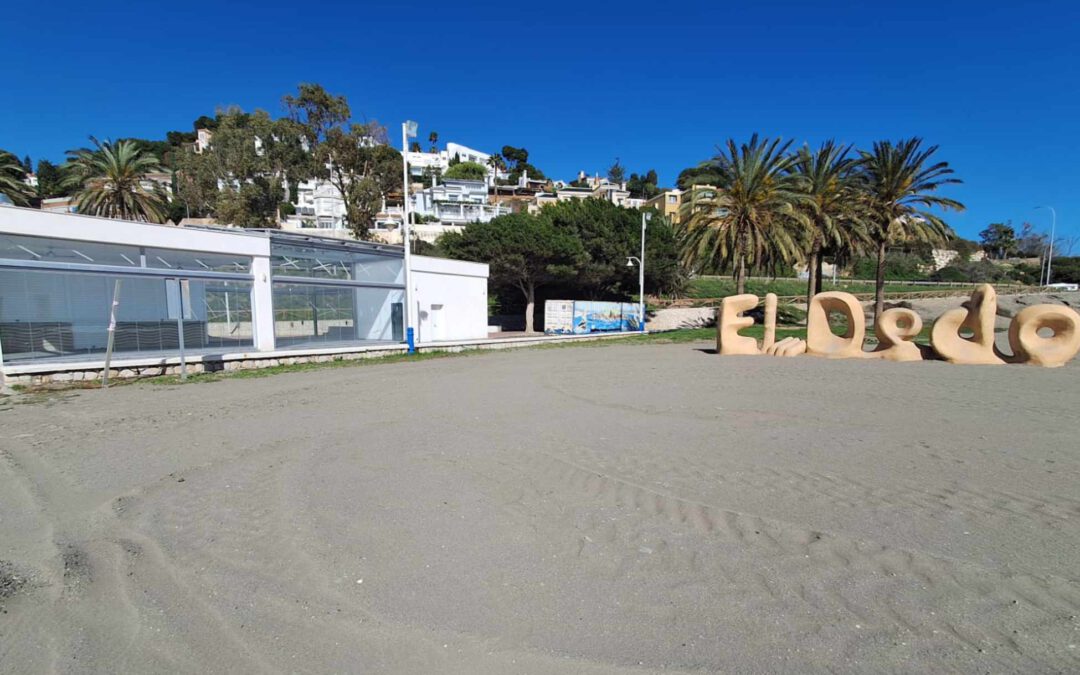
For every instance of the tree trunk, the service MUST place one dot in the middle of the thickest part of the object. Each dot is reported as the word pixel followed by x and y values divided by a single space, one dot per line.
pixel 813 273
pixel 820 264
pixel 879 282
pixel 740 276
pixel 530 307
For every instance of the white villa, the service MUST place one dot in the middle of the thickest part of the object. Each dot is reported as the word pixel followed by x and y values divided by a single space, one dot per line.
pixel 456 202
pixel 427 163
pixel 596 187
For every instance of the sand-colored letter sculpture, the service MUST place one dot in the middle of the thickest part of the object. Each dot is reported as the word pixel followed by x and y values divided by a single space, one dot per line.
pixel 895 331
pixel 730 321
pixel 962 335
pixel 1027 345
pixel 821 341
pixel 1056 350
pixel 977 319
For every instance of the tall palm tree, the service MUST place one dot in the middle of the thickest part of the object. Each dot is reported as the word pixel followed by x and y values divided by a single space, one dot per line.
pixel 12 174
pixel 830 182
pixel 112 181
pixel 899 183
pixel 753 216
pixel 497 164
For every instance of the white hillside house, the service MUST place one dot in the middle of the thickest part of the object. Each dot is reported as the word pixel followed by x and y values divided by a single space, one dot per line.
pixel 456 202
pixel 422 164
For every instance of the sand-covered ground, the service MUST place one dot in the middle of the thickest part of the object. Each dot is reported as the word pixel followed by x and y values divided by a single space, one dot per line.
pixel 631 508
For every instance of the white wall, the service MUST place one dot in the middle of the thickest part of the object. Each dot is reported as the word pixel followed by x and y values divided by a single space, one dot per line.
pixel 460 288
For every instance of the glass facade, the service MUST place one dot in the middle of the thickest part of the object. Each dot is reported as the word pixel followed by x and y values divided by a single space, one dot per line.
pixel 56 300
pixel 65 251
pixel 48 314
pixel 358 266
pixel 334 295
pixel 314 315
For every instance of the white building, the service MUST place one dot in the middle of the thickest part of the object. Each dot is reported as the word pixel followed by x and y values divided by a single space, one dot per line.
pixel 423 164
pixel 596 188
pixel 451 299
pixel 456 202
pixel 203 138
pixel 217 294
pixel 318 205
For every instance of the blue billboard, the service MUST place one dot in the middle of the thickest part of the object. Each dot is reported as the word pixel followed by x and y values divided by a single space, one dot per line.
pixel 581 317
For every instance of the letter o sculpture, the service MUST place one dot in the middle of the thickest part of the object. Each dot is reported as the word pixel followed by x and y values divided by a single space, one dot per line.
pixel 820 340
pixel 1050 352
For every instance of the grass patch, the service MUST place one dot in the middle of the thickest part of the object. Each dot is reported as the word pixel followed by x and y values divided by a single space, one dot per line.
pixel 709 334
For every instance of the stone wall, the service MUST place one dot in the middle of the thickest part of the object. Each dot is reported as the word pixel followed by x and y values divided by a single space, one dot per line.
pixel 59 374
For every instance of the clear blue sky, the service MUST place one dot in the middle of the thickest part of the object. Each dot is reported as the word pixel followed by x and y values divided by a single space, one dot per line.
pixel 581 83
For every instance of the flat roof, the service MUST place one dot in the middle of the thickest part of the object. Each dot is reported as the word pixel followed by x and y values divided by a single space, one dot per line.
pixel 295 238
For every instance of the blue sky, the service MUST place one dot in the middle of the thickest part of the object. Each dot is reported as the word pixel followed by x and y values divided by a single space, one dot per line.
pixel 579 84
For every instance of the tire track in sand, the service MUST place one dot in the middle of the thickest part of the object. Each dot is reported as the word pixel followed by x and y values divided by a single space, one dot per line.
pixel 1022 622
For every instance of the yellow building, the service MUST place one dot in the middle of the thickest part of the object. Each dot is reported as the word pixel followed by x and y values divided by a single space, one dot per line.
pixel 667 203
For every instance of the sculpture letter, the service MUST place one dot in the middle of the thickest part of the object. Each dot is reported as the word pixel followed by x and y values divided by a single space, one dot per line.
pixel 977 318
pixel 731 320
pixel 1056 350
pixel 820 340
pixel 895 329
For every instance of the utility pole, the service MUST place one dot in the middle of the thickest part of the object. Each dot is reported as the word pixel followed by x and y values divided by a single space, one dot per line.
pixel 408 129
pixel 1053 228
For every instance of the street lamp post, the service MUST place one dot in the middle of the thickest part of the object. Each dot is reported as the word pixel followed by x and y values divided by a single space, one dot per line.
pixel 1053 227
pixel 645 216
pixel 408 130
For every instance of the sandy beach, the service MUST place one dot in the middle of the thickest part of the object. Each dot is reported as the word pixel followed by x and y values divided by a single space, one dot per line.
pixel 618 509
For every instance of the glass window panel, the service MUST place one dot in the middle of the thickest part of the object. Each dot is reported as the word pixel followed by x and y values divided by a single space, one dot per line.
pixel 172 259
pixel 344 265
pixel 65 315
pixel 308 315
pixel 43 249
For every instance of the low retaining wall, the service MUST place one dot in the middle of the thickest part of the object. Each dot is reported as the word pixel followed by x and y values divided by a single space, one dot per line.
pixel 37 374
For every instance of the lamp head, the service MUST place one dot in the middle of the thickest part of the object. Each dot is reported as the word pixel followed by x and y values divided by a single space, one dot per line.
pixel 629 262
pixel 410 128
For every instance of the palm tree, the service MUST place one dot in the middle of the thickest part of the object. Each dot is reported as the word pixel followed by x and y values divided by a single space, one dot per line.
pixel 12 174
pixel 497 164
pixel 112 181
pixel 753 216
pixel 899 183
pixel 830 181
pixel 433 138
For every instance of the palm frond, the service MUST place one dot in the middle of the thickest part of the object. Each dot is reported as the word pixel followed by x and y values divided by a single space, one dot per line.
pixel 12 184
pixel 753 216
pixel 113 181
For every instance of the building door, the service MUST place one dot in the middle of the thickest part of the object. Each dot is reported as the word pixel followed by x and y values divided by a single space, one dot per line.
pixel 438 323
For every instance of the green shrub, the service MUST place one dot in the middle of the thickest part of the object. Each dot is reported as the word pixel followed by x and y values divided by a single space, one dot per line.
pixel 982 272
pixel 898 266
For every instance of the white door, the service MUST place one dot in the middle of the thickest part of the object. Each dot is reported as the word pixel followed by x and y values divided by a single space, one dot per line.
pixel 438 323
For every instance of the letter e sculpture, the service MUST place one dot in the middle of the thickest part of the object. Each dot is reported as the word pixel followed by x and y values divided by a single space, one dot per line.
pixel 895 329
